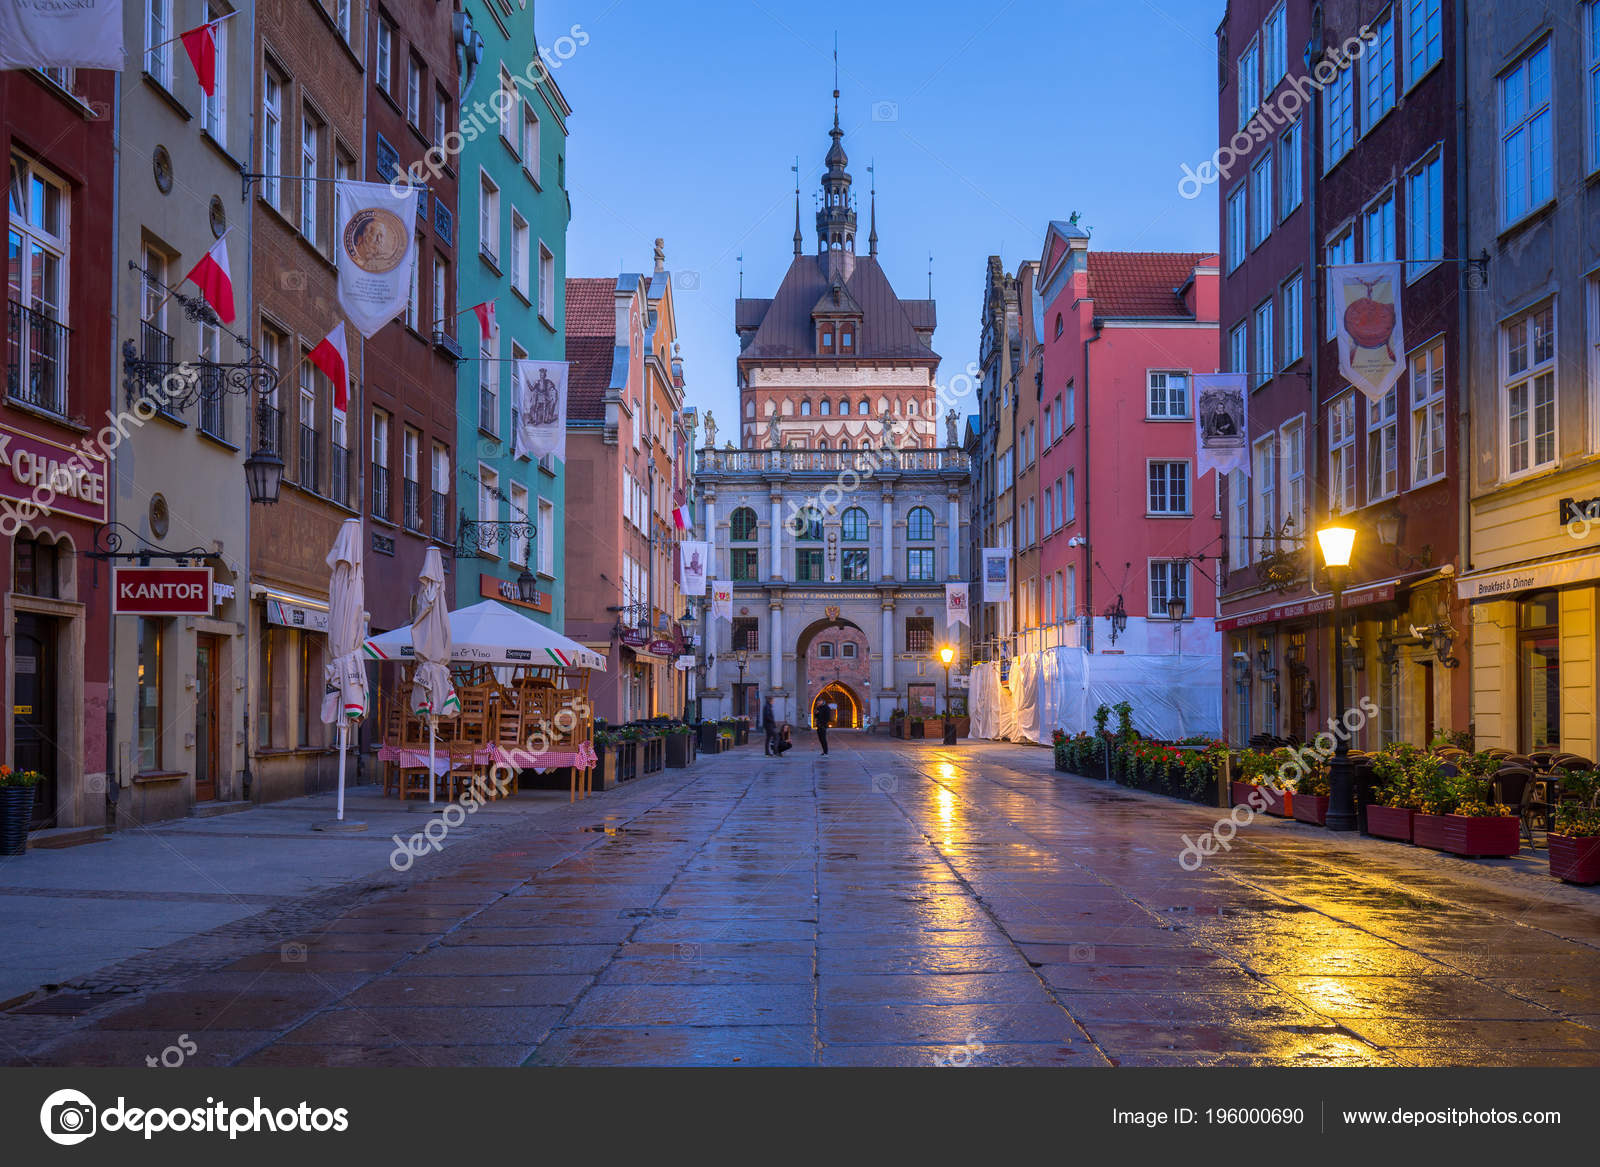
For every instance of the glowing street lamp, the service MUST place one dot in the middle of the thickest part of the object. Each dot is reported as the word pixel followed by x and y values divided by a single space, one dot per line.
pixel 1337 542
pixel 947 654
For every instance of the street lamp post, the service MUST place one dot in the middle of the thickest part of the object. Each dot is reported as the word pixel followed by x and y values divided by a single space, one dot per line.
pixel 741 658
pixel 1337 542
pixel 1175 612
pixel 947 654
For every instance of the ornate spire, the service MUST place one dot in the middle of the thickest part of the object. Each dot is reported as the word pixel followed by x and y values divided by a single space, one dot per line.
pixel 872 235
pixel 799 240
pixel 836 220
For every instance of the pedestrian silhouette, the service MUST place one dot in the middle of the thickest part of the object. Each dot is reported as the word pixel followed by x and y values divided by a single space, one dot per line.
pixel 823 718
pixel 769 723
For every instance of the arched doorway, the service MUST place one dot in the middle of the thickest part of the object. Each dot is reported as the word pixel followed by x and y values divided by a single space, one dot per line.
pixel 833 653
pixel 846 708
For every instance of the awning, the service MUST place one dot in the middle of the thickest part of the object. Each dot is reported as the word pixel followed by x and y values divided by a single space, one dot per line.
pixel 292 611
pixel 1354 598
pixel 1486 585
pixel 644 657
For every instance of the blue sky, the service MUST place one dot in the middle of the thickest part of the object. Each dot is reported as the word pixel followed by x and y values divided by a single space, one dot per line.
pixel 983 122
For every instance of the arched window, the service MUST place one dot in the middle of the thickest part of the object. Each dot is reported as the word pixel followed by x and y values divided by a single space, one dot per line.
pixel 749 408
pixel 861 407
pixel 807 524
pixel 844 407
pixel 919 525
pixel 911 407
pixel 822 443
pixel 827 407
pixel 1060 324
pixel 743 526
pixel 853 526
pixel 805 408
pixel 844 443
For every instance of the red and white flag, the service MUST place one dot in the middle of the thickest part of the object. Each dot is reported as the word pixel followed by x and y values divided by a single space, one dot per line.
pixel 201 45
pixel 212 278
pixel 485 314
pixel 333 359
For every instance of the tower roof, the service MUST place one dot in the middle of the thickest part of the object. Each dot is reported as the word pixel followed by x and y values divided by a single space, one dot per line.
pixel 782 327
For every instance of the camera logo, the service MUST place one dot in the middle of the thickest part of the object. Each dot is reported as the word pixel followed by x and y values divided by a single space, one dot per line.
pixel 886 111
pixel 68 1117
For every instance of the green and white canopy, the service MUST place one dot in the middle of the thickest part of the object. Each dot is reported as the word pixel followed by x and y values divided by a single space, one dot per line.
pixel 489 633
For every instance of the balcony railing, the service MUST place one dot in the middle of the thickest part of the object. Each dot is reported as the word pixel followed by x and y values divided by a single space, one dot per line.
pixel 36 359
pixel 832 461
pixel 411 504
pixel 272 420
pixel 439 517
pixel 213 402
pixel 339 468
pixel 380 491
pixel 310 459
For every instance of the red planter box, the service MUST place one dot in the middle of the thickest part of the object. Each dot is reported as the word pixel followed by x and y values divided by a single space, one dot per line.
pixel 1311 808
pixel 1390 822
pixel 1575 860
pixel 1475 838
pixel 1239 793
pixel 1276 804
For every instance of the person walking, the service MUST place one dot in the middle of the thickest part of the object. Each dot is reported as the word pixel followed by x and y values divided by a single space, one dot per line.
pixel 823 717
pixel 769 723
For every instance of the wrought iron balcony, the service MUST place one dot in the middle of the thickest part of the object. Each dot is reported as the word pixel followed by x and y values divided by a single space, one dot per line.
pixel 440 517
pixel 339 467
pixel 411 504
pixel 36 359
pixel 479 539
pixel 310 459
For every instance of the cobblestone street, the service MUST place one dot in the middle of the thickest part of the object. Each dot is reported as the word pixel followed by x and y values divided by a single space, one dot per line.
pixel 894 904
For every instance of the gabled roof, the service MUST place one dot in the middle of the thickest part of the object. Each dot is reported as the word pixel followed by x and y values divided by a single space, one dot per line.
pixel 592 307
pixel 836 300
pixel 593 359
pixel 782 326
pixel 1142 283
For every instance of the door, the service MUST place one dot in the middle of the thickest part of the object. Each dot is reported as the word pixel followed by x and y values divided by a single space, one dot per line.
pixel 207 760
pixel 33 710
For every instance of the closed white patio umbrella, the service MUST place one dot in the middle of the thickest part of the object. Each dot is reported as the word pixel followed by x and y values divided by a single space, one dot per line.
pixel 431 690
pixel 345 699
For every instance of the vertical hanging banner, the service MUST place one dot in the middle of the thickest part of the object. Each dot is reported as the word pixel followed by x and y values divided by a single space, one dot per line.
pixel 955 605
pixel 49 34
pixel 1221 424
pixel 996 575
pixel 694 559
pixel 377 252
pixel 541 397
pixel 1371 334
pixel 721 600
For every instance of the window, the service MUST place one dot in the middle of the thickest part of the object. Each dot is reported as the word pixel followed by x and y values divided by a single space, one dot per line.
pixel 414 299
pixel 1239 349
pixel 508 110
pixel 1249 82
pixel 1168 394
pixel 1059 325
pixel 1169 580
pixel 442 120
pixel 1292 455
pixel 1526 169
pixel 152 722
pixel 1068 497
pixel 414 91
pixel 1377 71
pixel 488 382
pixel 213 402
pixel 341 17
pixel 742 526
pixel 530 142
pixel 1342 454
pixel 848 650
pixel 1425 216
pixel 271 134
pixel 1592 65
pixel 807 524
pixel 919 563
pixel 853 525
pixel 547 538
pixel 1293 320
pixel 1067 409
pixel 808 564
pixel 1291 173
pixel 1424 38
pixel 1050 508
pixel 827 408
pixel 1528 374
pixel 40 262
pixel 519 252
pixel 1339 116
pixel 310 137
pixel 385 53
pixel 1378 235
pixel 1427 414
pixel 1274 48
pixel 844 407
pixel 1261 200
pixel 919 525
pixel 805 409
pixel 310 440
pixel 1237 211
pixel 488 217
pixel 1342 250
pixel 1067 592
pixel 745 562
pixel 411 478
pixel 746 634
pixel 443 321
pixel 158 39
pixel 380 464
pixel 488 511
pixel 521 545
pixel 1263 480
pixel 1169 488
pixel 825 651
pixel 919 634
pixel 547 285
pixel 214 107
pixel 1264 331
pixel 861 407
pixel 440 511
pixel 1539 671
pixel 1383 446
pixel 1239 553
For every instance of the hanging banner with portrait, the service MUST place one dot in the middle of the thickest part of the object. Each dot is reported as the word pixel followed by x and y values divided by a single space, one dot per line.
pixel 540 391
pixel 1221 423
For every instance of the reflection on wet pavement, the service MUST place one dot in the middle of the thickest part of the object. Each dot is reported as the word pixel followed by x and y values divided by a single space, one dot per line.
pixel 907 904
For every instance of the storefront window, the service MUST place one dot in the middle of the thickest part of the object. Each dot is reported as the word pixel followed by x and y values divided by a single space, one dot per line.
pixel 150 719
pixel 1539 672
pixel 34 568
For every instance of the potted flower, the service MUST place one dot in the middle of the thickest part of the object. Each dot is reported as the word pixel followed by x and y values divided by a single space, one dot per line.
pixel 1397 768
pixel 914 727
pixel 1455 814
pixel 16 808
pixel 1575 835
pixel 680 746
pixel 1058 742
pixel 1311 794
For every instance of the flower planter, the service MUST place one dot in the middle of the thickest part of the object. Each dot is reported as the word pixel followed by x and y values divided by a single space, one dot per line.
pixel 1575 859
pixel 963 726
pixel 1239 793
pixel 914 729
pixel 16 811
pixel 605 771
pixel 708 736
pixel 1497 837
pixel 627 760
pixel 1311 808
pixel 680 750
pixel 933 727
pixel 741 733
pixel 1390 822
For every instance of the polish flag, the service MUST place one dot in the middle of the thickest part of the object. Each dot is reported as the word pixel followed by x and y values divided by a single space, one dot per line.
pixel 201 45
pixel 211 277
pixel 485 314
pixel 332 358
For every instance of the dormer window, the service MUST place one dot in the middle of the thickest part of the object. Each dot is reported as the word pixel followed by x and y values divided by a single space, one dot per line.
pixel 827 339
pixel 846 340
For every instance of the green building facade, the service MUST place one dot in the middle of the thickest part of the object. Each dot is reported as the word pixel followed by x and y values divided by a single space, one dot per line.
pixel 512 251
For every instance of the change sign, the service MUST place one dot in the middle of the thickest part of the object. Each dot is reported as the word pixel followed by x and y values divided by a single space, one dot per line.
pixel 161 591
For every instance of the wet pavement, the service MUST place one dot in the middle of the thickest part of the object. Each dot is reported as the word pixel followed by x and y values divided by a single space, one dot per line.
pixel 900 903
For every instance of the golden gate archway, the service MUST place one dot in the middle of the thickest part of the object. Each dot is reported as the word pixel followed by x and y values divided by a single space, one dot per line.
pixel 847 705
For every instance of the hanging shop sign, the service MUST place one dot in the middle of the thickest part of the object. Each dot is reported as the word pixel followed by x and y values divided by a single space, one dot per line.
pixel 1354 598
pixel 50 478
pixel 505 591
pixel 161 591
pixel 662 647
pixel 1486 585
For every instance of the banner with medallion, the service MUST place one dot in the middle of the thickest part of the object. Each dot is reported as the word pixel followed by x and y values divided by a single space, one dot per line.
pixel 377 252
pixel 721 599
pixel 1369 328
pixel 955 605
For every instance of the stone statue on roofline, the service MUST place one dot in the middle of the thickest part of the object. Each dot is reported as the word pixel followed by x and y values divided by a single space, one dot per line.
pixel 711 431
pixel 950 428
